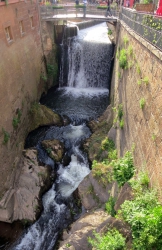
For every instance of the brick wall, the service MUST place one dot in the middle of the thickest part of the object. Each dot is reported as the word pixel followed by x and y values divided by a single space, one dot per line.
pixel 142 127
pixel 20 85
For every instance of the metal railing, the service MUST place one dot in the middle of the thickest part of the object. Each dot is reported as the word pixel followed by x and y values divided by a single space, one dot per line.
pixel 147 26
pixel 54 12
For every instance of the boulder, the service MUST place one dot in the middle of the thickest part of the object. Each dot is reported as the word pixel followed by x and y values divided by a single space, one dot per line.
pixel 93 194
pixel 23 200
pixel 76 238
pixel 100 130
pixel 43 116
pixel 54 148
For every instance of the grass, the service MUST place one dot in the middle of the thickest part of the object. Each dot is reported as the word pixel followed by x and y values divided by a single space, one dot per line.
pixel 34 107
pixel 123 61
pixel 6 136
pixel 130 50
pixel 109 32
pixel 102 171
pixel 121 123
pixel 138 69
pixel 17 119
pixel 142 103
pixel 126 40
pixel 109 206
pixel 119 116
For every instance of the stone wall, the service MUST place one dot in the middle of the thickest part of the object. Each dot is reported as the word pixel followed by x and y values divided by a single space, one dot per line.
pixel 142 79
pixel 21 66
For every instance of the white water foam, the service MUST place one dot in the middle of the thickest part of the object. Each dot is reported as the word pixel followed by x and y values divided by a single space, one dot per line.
pixel 71 176
pixel 89 92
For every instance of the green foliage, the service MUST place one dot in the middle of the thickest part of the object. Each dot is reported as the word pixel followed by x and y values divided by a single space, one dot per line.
pixel 44 77
pixel 102 171
pixel 50 69
pixel 144 80
pixel 57 7
pixel 123 62
pixel 130 50
pixel 144 215
pixel 147 1
pixel 120 111
pixel 109 32
pixel 68 245
pixel 34 107
pixel 153 22
pixel 119 115
pixel 102 7
pixel 140 183
pixel 49 150
pixel 112 154
pixel 126 40
pixel 107 144
pixel 153 137
pixel 138 69
pixel 119 75
pixel 142 103
pixel 6 136
pixel 112 240
pixel 16 120
pixel 121 123
pixel 109 206
pixel 123 168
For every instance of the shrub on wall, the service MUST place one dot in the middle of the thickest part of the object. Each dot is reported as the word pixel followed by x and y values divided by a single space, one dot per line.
pixel 123 62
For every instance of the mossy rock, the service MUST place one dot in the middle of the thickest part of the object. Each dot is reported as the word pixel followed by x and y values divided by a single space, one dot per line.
pixel 100 130
pixel 54 148
pixel 40 115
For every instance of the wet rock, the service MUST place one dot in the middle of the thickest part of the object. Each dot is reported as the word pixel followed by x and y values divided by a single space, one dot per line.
pixel 54 148
pixel 66 160
pixel 42 116
pixel 66 120
pixel 22 201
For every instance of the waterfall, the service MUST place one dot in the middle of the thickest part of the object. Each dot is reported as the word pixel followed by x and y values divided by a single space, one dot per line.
pixel 86 59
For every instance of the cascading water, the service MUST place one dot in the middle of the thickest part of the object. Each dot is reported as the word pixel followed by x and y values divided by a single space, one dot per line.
pixel 82 96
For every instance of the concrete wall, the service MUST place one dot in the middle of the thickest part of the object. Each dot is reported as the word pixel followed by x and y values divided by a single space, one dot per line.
pixel 21 65
pixel 142 127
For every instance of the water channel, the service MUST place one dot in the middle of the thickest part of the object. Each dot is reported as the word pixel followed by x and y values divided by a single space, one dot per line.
pixel 81 96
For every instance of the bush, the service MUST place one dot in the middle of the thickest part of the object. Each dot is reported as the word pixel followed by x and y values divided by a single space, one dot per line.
pixel 112 240
pixel 57 7
pixel 144 215
pixel 102 171
pixel 123 63
pixel 6 136
pixel 123 168
pixel 109 206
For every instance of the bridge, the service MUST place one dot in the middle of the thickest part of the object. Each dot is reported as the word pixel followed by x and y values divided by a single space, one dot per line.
pixel 146 25
pixel 54 13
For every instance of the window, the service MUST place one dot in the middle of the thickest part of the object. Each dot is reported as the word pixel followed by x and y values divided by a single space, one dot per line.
pixel 21 26
pixel 31 22
pixel 8 33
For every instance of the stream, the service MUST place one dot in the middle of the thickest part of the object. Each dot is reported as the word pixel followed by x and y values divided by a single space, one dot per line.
pixel 82 96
